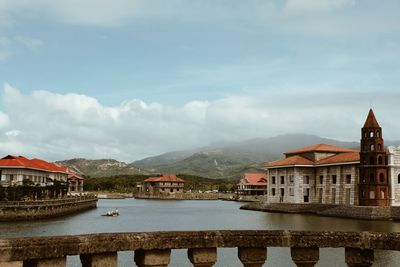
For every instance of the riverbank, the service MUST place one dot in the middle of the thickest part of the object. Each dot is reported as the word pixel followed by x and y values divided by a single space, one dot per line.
pixel 340 211
pixel 41 209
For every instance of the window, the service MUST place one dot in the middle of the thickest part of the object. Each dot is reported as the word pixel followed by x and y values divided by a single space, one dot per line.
pixel 371 147
pixel 273 180
pixel 371 134
pixel 282 179
pixel 371 194
pixel 291 191
pixel 171 190
pixel 333 179
pixel 381 178
pixel 273 191
pixel 291 179
pixel 372 178
pixel 378 133
pixel 382 194
pixel 321 179
pixel 379 147
pixel 306 179
pixel 371 161
pixel 380 161
pixel 348 178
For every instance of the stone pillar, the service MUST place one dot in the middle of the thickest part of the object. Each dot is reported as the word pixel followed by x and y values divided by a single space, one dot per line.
pixel 252 257
pixel 59 262
pixel 152 258
pixel 202 257
pixel 356 257
pixel 98 260
pixel 305 257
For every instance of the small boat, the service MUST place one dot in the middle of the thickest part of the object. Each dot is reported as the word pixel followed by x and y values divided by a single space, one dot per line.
pixel 111 213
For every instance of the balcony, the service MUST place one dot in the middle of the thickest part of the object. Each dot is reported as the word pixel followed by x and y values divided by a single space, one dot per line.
pixel 154 248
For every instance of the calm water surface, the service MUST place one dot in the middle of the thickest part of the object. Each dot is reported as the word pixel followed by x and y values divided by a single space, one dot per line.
pixel 153 215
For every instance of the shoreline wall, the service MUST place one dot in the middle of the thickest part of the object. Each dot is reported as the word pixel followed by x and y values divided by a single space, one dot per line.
pixel 180 196
pixel 42 209
pixel 340 211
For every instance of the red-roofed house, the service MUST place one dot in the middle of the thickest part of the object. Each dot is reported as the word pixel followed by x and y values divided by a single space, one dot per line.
pixel 253 184
pixel 165 184
pixel 317 174
pixel 15 169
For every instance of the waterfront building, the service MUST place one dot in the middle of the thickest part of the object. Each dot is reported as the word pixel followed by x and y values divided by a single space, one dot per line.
pixel 75 184
pixel 315 174
pixel 165 184
pixel 336 175
pixel 14 170
pixel 254 184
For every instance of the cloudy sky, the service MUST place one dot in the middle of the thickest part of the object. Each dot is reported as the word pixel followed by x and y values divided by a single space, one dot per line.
pixel 127 79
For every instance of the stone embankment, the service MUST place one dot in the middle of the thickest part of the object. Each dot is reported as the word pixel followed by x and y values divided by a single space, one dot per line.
pixel 343 211
pixel 41 209
pixel 180 196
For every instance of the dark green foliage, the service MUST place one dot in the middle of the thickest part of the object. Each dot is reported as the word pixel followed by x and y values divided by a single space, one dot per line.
pixel 127 183
pixel 28 191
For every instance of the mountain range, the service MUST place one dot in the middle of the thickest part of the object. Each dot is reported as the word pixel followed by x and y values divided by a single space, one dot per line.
pixel 218 160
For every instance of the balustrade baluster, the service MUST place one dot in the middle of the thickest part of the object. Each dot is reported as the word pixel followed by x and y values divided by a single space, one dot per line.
pixel 202 257
pixel 152 258
pixel 99 260
pixel 356 257
pixel 305 257
pixel 252 257
pixel 59 262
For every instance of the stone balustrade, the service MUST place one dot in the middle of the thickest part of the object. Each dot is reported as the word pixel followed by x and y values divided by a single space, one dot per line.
pixel 154 249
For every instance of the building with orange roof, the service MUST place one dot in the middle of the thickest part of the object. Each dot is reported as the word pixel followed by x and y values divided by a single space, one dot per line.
pixel 75 184
pixel 165 184
pixel 254 184
pixel 14 170
pixel 328 174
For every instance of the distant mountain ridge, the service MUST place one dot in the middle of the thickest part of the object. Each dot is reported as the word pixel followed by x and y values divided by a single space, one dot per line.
pixel 100 167
pixel 218 160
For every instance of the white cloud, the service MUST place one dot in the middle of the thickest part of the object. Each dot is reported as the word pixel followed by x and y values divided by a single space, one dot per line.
pixel 55 126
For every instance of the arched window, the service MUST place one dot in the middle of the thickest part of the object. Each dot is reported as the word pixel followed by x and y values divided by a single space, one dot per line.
pixel 378 133
pixel 371 194
pixel 382 195
pixel 379 147
pixel 371 147
pixel 380 160
pixel 372 178
pixel 381 178
pixel 371 134
pixel 371 161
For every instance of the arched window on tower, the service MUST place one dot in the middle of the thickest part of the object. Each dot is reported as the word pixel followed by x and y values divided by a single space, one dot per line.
pixel 381 178
pixel 371 147
pixel 379 147
pixel 372 178
pixel 380 160
pixel 378 133
pixel 371 134
pixel 382 194
pixel 371 194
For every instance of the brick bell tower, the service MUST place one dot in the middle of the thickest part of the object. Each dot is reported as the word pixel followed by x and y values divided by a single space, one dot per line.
pixel 373 185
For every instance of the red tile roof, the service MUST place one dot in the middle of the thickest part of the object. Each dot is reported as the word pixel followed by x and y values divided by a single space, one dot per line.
pixel 371 121
pixel 259 179
pixel 320 148
pixel 74 176
pixel 340 158
pixel 290 161
pixel 37 164
pixel 165 178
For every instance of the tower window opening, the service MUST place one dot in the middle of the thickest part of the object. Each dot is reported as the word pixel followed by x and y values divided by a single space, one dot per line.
pixel 371 194
pixel 378 133
pixel 381 178
pixel 371 147
pixel 372 178
pixel 380 160
pixel 371 134
pixel 379 147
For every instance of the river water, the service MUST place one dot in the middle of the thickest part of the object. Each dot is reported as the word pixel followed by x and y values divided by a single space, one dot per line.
pixel 153 215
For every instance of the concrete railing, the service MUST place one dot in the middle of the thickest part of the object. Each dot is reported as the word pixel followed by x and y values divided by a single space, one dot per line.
pixel 154 249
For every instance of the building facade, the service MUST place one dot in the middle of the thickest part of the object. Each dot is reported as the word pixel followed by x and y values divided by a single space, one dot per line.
pixel 75 184
pixel 165 184
pixel 14 170
pixel 316 174
pixel 254 184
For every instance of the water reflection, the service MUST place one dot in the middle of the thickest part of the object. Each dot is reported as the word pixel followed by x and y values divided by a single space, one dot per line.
pixel 150 215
